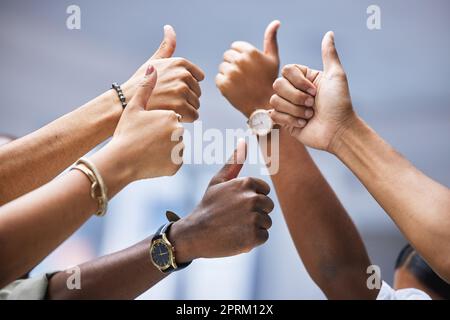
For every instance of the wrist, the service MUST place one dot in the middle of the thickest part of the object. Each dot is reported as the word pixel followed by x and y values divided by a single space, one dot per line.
pixel 180 236
pixel 113 168
pixel 352 128
pixel 114 109
pixel 249 111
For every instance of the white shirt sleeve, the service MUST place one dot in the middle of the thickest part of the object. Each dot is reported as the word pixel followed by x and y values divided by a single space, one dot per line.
pixel 387 293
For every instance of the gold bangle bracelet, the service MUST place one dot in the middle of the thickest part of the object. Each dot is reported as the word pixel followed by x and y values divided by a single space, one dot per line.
pixel 99 191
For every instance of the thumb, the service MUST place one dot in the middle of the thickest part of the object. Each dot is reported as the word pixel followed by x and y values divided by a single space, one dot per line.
pixel 145 89
pixel 168 45
pixel 330 56
pixel 270 39
pixel 233 166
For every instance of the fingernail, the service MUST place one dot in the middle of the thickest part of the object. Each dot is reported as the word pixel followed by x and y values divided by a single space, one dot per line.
pixel 301 123
pixel 309 102
pixel 312 91
pixel 309 113
pixel 150 70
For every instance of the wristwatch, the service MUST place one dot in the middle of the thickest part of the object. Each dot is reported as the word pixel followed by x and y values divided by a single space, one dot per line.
pixel 162 252
pixel 260 122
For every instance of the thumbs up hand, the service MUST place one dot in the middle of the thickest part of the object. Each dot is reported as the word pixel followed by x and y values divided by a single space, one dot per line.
pixel 232 217
pixel 246 75
pixel 315 106
pixel 146 143
pixel 178 86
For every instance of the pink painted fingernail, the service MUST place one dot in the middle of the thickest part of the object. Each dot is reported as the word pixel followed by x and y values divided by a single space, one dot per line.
pixel 309 102
pixel 309 113
pixel 150 70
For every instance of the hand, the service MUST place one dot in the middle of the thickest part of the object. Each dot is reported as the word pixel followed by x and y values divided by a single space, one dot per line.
pixel 144 141
pixel 232 217
pixel 326 92
pixel 177 88
pixel 246 76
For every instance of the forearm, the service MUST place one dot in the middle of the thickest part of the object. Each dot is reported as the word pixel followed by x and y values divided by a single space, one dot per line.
pixel 122 275
pixel 35 159
pixel 125 274
pixel 35 224
pixel 418 205
pixel 324 235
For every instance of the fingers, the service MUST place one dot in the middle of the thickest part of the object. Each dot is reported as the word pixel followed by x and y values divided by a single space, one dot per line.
pixel 226 67
pixel 264 204
pixel 330 56
pixel 233 166
pixel 220 80
pixel 263 221
pixel 270 39
pixel 193 84
pixel 168 45
pixel 254 184
pixel 242 46
pixel 285 89
pixel 262 235
pixel 196 72
pixel 188 113
pixel 297 76
pixel 284 106
pixel 145 89
pixel 287 120
pixel 231 56
pixel 193 99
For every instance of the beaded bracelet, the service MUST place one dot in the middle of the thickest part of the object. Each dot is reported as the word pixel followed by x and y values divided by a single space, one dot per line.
pixel 119 91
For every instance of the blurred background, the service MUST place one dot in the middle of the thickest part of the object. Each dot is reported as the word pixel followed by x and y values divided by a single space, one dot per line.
pixel 399 78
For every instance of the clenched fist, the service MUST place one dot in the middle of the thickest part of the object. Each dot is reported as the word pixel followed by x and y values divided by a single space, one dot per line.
pixel 178 86
pixel 144 139
pixel 246 75
pixel 232 218
pixel 315 106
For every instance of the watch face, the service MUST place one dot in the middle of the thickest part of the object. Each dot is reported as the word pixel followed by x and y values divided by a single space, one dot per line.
pixel 161 255
pixel 260 122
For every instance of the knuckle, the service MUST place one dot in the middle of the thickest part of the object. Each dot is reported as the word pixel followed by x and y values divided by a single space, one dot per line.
pixel 247 183
pixel 183 88
pixel 253 52
pixel 243 58
pixel 195 115
pixel 180 61
pixel 185 75
pixel 287 69
pixel 222 65
pixel 274 100
pixel 263 236
pixel 277 84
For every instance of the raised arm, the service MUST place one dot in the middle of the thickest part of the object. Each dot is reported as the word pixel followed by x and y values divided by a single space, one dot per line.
pixel 30 162
pixel 217 227
pixel 324 235
pixel 419 206
pixel 36 223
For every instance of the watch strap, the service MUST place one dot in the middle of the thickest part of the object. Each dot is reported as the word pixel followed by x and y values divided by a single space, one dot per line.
pixel 164 229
